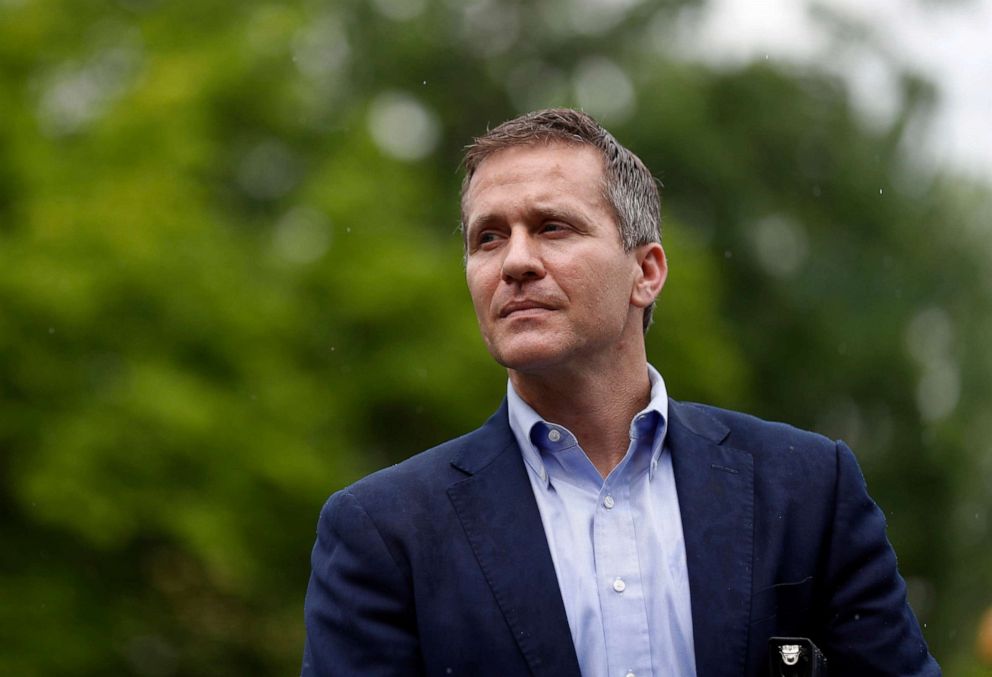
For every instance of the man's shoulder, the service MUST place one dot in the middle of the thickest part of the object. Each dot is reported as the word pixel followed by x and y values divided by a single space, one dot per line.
pixel 438 467
pixel 742 424
pixel 425 464
pixel 789 468
pixel 765 440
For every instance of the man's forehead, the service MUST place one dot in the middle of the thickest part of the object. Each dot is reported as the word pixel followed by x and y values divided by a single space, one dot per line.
pixel 537 184
pixel 536 162
pixel 528 153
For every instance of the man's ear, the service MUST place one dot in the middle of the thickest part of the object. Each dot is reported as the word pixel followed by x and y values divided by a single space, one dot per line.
pixel 652 273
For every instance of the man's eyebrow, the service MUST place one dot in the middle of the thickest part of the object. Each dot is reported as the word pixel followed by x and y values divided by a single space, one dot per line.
pixel 553 213
pixel 484 221
pixel 538 212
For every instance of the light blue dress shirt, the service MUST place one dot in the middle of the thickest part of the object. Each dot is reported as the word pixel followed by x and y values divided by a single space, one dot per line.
pixel 616 544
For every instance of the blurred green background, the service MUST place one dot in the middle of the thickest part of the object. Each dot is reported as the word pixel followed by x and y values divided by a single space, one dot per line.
pixel 231 283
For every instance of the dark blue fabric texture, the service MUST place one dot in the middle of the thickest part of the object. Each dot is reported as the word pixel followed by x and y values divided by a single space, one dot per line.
pixel 439 565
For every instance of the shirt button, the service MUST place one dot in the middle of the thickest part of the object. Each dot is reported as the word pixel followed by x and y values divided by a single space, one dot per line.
pixel 609 502
pixel 554 435
pixel 630 674
pixel 619 585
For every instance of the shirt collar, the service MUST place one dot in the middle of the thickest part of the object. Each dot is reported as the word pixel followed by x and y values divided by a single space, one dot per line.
pixel 523 419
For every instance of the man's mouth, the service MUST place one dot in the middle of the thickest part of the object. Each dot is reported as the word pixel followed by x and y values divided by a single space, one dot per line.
pixel 524 307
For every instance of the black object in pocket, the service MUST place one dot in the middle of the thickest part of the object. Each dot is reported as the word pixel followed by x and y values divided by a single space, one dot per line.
pixel 795 657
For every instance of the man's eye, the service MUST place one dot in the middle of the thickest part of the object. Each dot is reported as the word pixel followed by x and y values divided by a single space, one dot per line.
pixel 553 227
pixel 483 240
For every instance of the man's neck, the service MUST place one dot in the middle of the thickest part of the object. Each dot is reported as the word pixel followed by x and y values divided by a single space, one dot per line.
pixel 596 405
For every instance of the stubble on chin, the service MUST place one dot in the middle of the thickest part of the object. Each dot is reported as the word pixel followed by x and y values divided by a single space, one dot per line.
pixel 527 354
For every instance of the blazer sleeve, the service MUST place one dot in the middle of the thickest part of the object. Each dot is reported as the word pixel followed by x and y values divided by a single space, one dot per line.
pixel 870 628
pixel 359 607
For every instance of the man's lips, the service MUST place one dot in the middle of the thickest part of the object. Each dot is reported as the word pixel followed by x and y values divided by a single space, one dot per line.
pixel 523 306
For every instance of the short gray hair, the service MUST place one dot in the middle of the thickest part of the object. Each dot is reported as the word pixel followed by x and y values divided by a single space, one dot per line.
pixel 628 187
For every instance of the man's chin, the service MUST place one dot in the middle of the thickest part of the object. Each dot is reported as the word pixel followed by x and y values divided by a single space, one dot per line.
pixel 527 359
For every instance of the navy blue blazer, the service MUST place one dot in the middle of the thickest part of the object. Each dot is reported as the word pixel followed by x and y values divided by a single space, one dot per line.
pixel 439 565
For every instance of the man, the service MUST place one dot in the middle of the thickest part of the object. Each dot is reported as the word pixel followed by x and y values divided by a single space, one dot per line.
pixel 593 526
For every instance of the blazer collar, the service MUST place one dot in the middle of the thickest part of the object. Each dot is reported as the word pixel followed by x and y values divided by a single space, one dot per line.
pixel 715 485
pixel 497 509
pixel 481 447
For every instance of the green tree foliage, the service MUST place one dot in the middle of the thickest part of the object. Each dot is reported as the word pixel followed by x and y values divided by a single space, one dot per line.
pixel 230 283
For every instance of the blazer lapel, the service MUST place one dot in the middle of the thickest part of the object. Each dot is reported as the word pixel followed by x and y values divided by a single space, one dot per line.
pixel 715 487
pixel 497 509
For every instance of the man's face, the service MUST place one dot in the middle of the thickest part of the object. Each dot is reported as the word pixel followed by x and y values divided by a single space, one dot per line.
pixel 551 284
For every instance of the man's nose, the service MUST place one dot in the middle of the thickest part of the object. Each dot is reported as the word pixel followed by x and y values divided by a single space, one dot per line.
pixel 523 258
